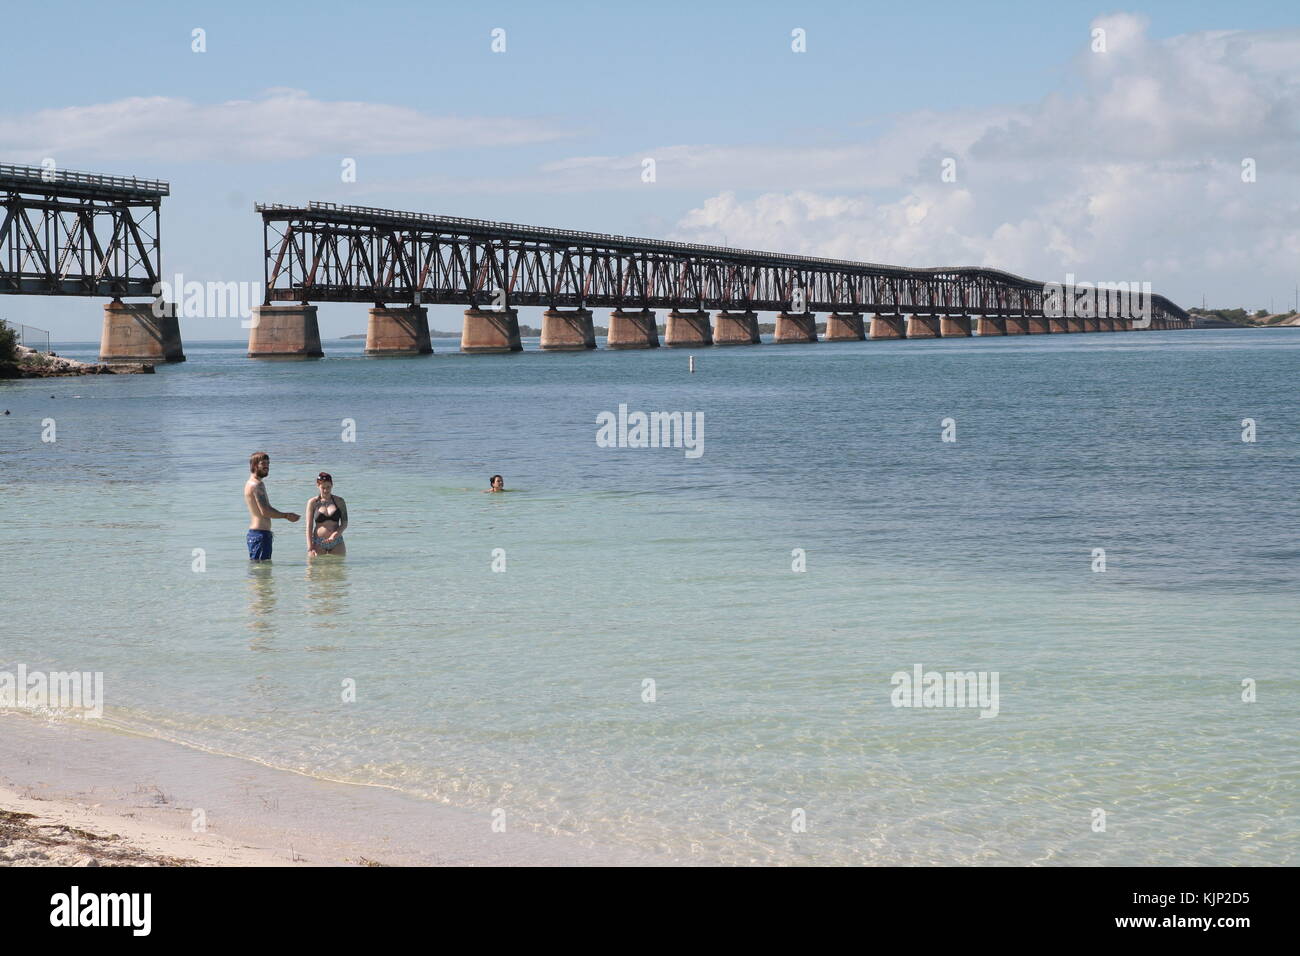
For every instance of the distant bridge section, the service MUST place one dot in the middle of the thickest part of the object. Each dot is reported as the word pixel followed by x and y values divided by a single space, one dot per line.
pixel 323 252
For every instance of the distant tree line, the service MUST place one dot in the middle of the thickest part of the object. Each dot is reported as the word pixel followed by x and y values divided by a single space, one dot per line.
pixel 1242 317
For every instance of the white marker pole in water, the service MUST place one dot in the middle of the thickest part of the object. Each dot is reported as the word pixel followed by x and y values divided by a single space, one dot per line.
pixel 692 363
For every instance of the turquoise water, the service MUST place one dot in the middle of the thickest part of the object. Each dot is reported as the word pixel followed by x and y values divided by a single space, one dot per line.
pixel 523 690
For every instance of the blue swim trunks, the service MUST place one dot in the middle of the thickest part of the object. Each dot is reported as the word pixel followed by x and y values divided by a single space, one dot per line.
pixel 259 545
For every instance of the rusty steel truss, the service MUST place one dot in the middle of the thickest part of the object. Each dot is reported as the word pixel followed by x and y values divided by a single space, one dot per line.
pixel 70 233
pixel 331 253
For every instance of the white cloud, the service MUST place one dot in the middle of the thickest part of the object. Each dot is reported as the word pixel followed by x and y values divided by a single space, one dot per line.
pixel 279 124
pixel 1137 176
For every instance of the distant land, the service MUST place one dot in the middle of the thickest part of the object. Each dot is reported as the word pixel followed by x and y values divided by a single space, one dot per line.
pixel 1241 319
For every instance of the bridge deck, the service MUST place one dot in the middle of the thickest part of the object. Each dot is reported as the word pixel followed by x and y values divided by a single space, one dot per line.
pixel 68 182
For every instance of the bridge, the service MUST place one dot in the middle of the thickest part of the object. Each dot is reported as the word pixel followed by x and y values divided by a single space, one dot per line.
pixel 83 234
pixel 401 262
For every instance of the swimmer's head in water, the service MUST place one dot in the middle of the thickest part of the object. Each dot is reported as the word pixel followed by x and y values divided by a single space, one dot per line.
pixel 497 483
pixel 259 463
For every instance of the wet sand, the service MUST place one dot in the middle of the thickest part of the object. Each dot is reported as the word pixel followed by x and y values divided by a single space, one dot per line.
pixel 79 795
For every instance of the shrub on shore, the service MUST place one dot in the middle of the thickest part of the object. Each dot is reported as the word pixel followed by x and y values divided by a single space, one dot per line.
pixel 8 344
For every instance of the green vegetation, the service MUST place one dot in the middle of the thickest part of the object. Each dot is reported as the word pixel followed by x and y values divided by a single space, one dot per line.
pixel 8 344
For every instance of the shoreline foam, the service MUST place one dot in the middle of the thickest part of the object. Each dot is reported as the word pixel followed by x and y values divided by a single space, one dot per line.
pixel 84 786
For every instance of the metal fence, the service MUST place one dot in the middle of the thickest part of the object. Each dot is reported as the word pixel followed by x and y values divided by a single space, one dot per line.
pixel 30 336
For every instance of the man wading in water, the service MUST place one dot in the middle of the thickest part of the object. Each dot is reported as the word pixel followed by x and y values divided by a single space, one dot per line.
pixel 260 511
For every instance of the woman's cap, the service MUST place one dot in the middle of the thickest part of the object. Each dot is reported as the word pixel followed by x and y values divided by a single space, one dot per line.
pixel 324 476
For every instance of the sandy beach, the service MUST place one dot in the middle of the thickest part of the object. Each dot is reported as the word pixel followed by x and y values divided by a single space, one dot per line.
pixel 78 795
pixel 37 831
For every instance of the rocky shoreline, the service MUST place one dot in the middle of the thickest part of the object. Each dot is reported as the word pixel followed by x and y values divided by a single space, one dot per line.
pixel 33 364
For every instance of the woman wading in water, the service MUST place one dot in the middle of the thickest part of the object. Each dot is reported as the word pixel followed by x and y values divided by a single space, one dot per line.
pixel 327 517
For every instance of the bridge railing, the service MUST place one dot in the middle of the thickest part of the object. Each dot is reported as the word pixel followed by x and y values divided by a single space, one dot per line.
pixel 40 174
pixel 29 335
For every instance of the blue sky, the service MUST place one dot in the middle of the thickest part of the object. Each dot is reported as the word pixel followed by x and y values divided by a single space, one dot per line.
pixel 1115 164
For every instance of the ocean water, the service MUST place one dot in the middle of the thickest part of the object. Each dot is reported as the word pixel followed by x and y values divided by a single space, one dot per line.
pixel 770 736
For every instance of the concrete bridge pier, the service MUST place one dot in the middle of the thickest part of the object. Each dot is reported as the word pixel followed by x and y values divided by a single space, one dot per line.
pixel 1074 324
pixel 1017 325
pixel 991 325
pixel 687 329
pixel 792 327
pixel 486 331
pixel 954 326
pixel 567 330
pixel 1038 325
pixel 132 333
pixel 1057 324
pixel 735 328
pixel 888 326
pixel 922 326
pixel 844 327
pixel 632 330
pixel 403 331
pixel 1091 323
pixel 1123 325
pixel 284 331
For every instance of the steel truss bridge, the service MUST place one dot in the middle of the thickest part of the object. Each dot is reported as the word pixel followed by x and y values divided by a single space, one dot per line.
pixel 72 233
pixel 339 253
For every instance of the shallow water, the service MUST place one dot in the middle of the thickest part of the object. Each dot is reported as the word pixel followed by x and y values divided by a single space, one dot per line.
pixel 523 689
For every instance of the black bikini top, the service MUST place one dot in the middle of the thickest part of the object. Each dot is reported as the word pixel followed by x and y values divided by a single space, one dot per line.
pixel 322 517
